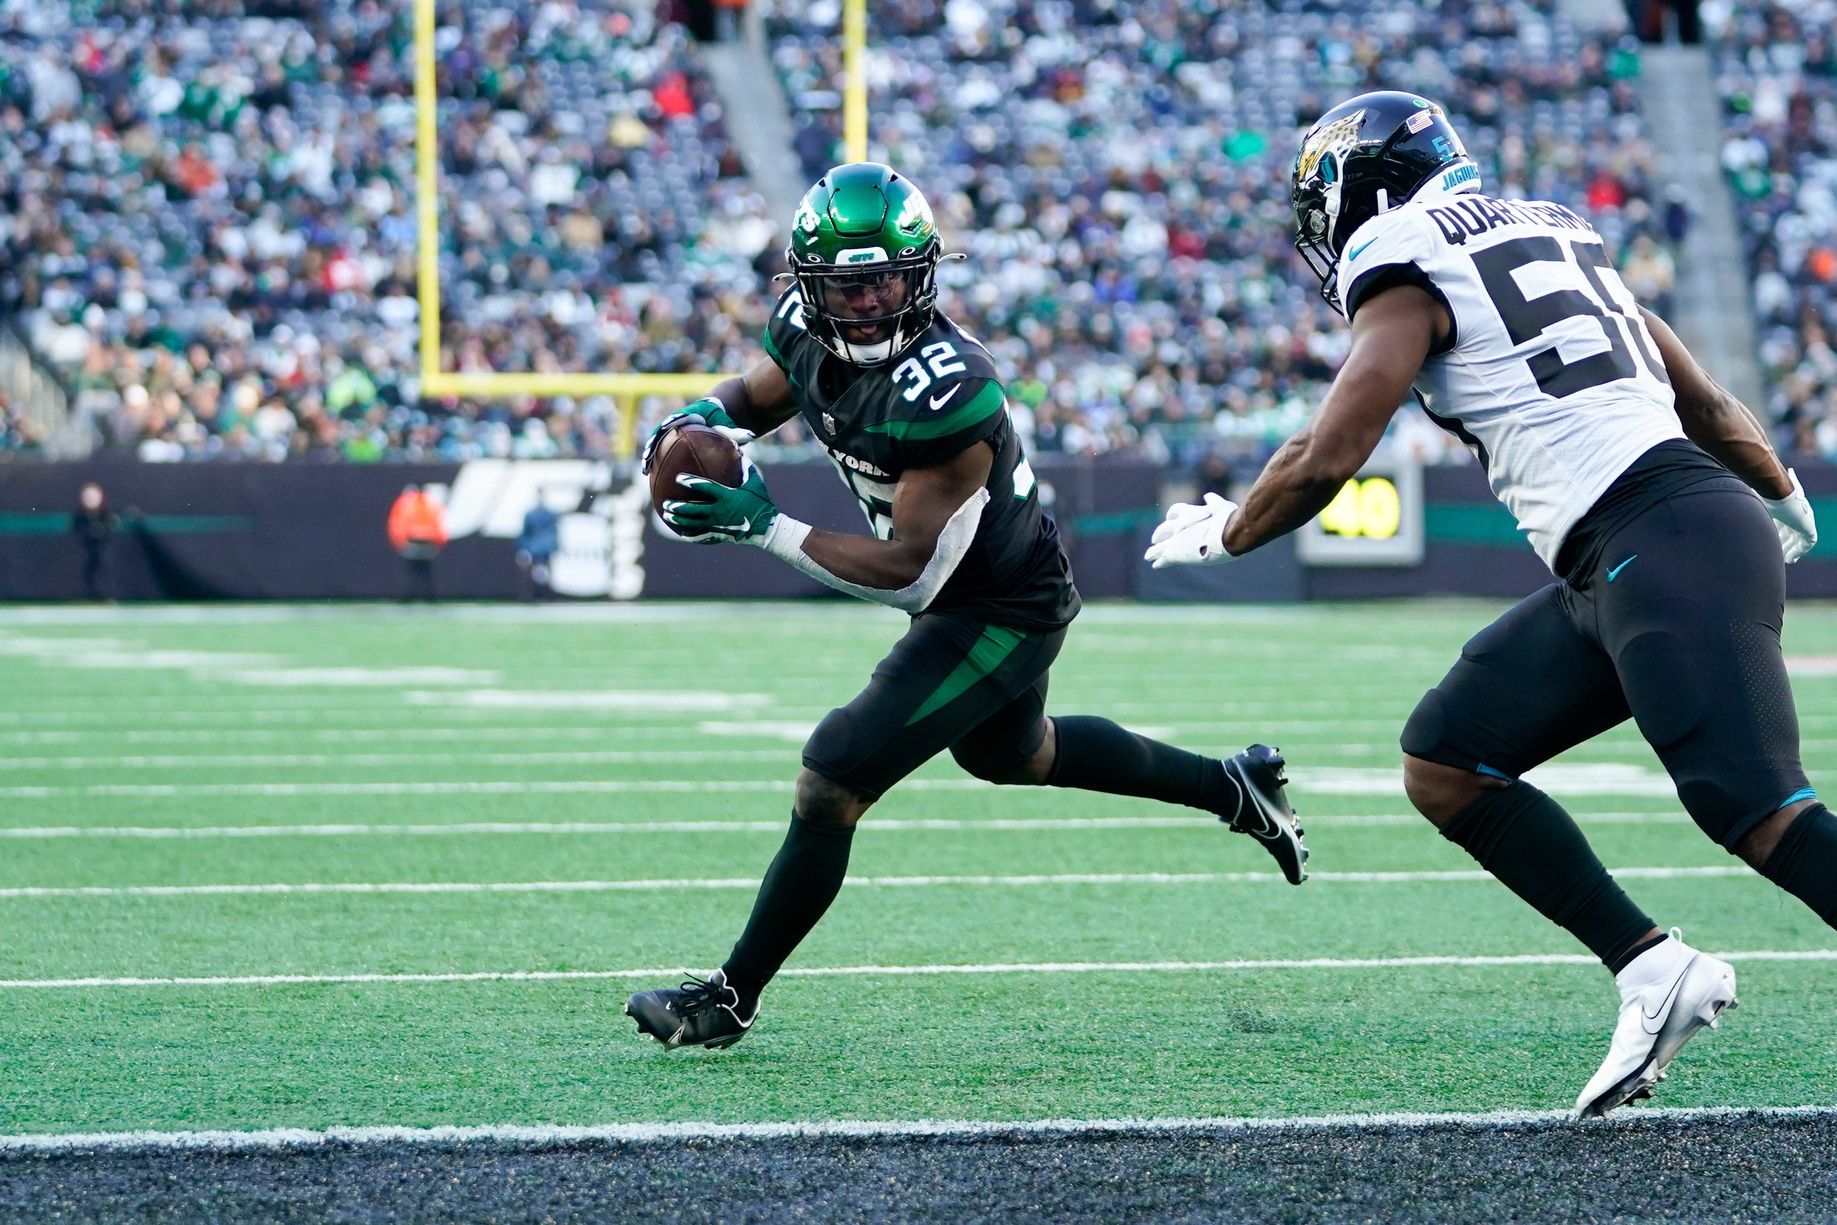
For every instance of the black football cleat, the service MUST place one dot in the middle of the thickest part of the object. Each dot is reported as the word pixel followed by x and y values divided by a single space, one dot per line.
pixel 1263 810
pixel 701 1012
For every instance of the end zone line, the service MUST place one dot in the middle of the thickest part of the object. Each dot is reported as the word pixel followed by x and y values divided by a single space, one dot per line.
pixel 1023 967
pixel 650 1133
pixel 748 882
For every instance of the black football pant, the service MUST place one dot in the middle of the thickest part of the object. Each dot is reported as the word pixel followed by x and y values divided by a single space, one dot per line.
pixel 953 682
pixel 1678 627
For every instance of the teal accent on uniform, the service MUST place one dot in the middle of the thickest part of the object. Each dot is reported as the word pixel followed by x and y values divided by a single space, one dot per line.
pixel 770 348
pixel 1615 572
pixel 1803 793
pixel 1354 253
pixel 983 404
pixel 1471 523
pixel 1489 772
pixel 996 644
pixel 53 523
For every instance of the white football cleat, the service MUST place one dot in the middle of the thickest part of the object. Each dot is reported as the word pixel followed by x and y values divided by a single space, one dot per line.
pixel 1667 994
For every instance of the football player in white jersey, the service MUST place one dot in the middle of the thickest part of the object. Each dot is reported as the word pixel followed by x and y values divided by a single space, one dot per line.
pixel 1653 495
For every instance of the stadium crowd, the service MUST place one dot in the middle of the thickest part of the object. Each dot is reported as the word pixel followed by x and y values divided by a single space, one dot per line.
pixel 1118 174
pixel 1777 69
pixel 209 222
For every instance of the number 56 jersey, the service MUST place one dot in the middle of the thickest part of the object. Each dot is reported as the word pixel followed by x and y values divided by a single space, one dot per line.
pixel 1550 375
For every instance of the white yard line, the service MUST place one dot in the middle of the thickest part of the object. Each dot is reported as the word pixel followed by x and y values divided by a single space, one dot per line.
pixel 186 761
pixel 585 827
pixel 633 700
pixel 466 828
pixel 286 1138
pixel 864 882
pixel 1610 780
pixel 295 737
pixel 481 787
pixel 1019 967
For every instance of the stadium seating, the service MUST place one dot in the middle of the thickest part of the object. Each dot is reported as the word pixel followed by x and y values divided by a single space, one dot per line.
pixel 1777 71
pixel 1118 175
pixel 225 267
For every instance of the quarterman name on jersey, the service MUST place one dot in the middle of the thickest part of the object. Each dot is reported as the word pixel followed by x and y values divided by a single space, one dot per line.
pixel 1476 216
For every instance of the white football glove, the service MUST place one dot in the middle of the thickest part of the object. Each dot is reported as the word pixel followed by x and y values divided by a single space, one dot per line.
pixel 1792 518
pixel 1192 535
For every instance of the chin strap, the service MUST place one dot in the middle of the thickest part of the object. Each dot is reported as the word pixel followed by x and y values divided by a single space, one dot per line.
pixel 785 541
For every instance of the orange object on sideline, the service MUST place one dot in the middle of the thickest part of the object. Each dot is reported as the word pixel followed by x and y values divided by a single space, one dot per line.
pixel 416 519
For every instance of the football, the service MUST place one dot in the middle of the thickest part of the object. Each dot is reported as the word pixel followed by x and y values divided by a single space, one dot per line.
pixel 697 450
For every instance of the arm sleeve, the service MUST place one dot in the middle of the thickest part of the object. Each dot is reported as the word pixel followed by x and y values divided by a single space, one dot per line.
pixel 1387 251
pixel 967 412
pixel 785 541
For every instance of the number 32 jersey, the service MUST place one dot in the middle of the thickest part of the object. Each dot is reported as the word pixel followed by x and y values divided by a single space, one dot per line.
pixel 1550 374
pixel 922 409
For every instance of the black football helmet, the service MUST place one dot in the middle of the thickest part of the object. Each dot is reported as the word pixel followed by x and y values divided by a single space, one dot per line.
pixel 1364 157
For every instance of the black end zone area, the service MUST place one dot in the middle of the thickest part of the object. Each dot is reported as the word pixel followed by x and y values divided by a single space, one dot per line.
pixel 1735 1168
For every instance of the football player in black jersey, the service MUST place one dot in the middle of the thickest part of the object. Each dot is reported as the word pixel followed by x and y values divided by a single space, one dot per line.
pixel 909 409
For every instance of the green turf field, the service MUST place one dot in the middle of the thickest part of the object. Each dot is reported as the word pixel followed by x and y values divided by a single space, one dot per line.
pixel 657 745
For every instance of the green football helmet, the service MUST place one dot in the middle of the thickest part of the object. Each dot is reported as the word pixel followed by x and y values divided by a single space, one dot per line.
pixel 865 251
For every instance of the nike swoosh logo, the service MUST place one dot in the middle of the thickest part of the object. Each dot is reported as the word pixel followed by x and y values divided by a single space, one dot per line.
pixel 1664 1004
pixel 1270 832
pixel 1356 251
pixel 1615 572
pixel 938 402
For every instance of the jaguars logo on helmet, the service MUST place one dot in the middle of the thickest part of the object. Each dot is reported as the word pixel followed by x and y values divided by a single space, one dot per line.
pixel 862 224
pixel 1364 157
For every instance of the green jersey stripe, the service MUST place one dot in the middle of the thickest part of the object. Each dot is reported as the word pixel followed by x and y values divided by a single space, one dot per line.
pixel 772 349
pixel 984 403
pixel 996 644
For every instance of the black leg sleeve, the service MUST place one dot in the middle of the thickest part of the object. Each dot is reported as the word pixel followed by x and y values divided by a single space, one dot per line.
pixel 1097 755
pixel 1524 838
pixel 803 880
pixel 1804 863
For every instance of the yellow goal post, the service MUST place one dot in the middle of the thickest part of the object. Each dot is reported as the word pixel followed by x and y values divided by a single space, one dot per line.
pixel 625 389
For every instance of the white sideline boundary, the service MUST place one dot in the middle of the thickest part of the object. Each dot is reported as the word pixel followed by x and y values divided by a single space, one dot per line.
pixel 1464 875
pixel 286 1138
pixel 1024 967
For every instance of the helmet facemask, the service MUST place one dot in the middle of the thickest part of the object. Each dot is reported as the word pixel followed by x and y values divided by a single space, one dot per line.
pixel 866 297
pixel 1317 207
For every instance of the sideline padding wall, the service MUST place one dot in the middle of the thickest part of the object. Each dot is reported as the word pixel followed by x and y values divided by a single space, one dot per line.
pixel 309 532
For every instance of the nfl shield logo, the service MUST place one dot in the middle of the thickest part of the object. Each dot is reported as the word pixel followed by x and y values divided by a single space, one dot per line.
pixel 829 423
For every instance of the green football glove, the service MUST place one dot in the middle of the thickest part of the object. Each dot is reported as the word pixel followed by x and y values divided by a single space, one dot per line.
pixel 705 411
pixel 723 515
